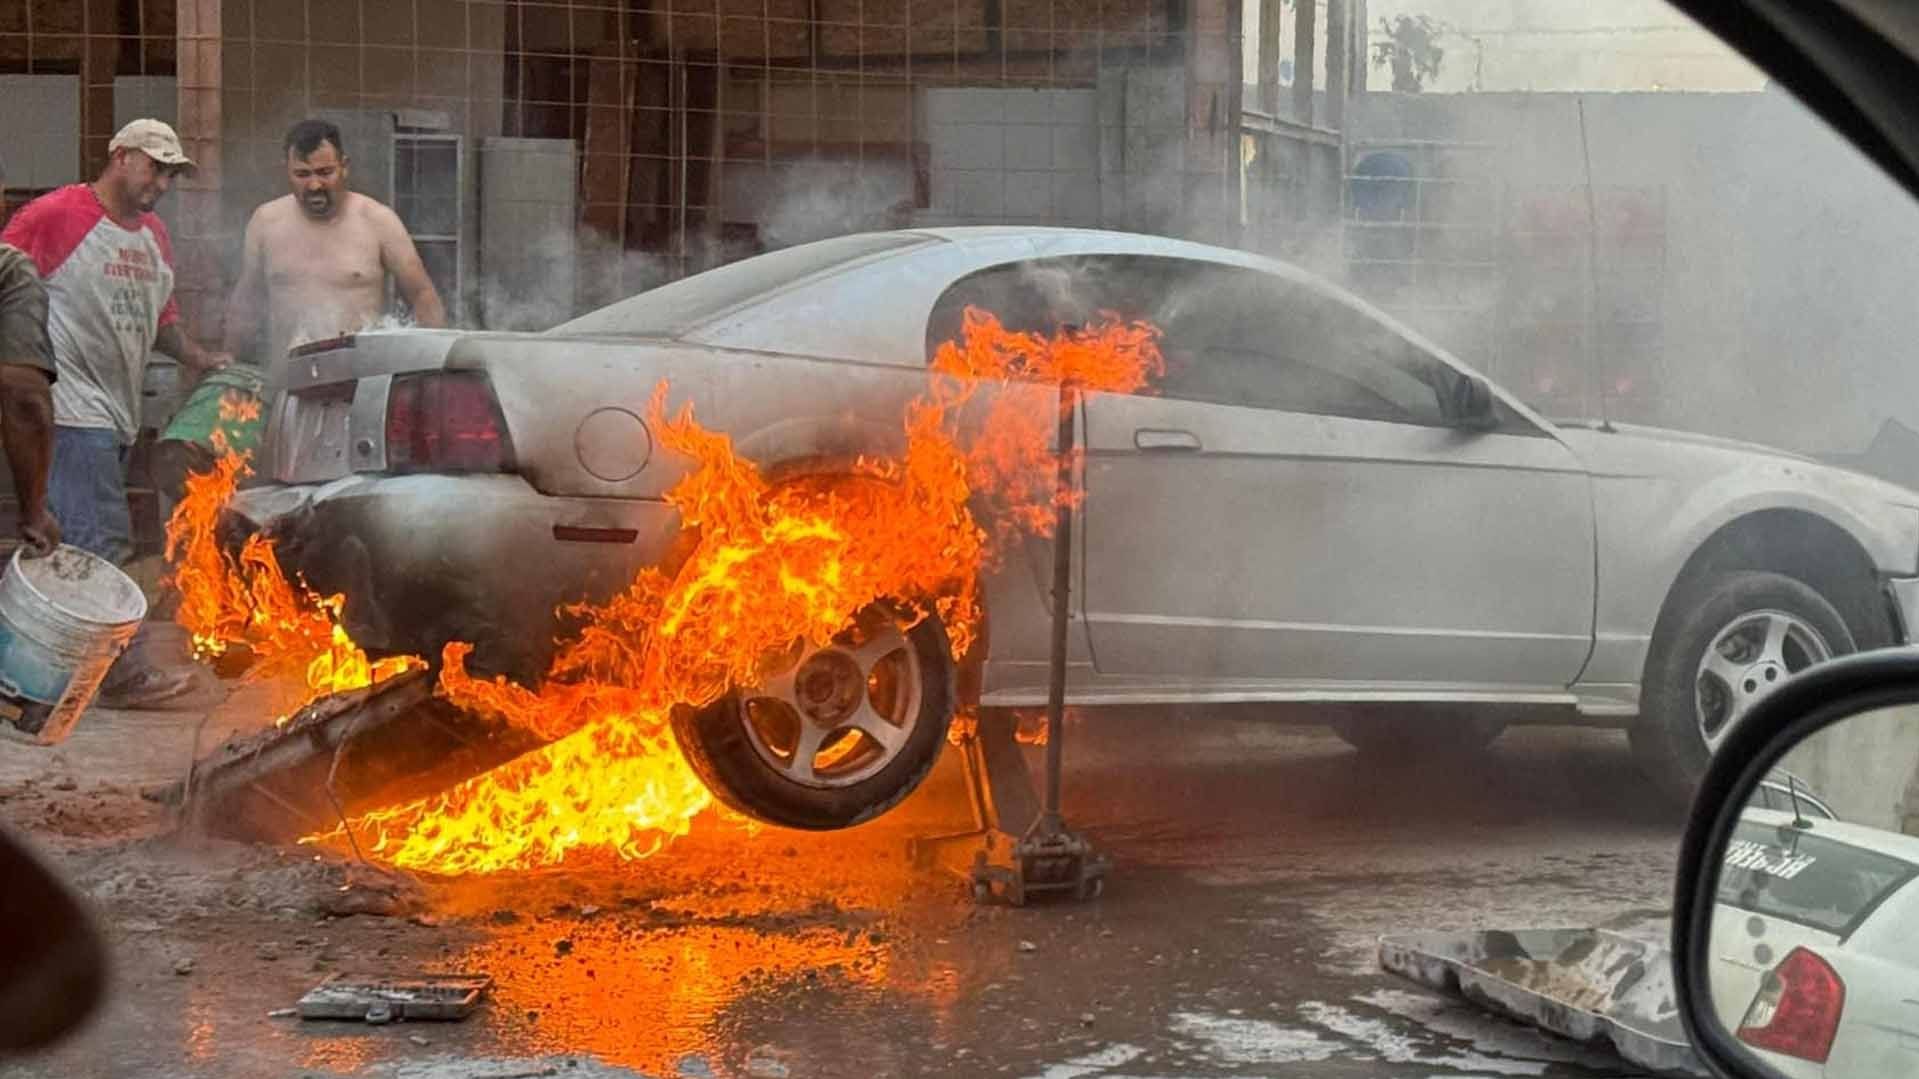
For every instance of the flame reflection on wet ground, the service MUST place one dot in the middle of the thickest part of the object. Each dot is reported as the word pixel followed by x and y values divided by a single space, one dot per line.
pixel 642 964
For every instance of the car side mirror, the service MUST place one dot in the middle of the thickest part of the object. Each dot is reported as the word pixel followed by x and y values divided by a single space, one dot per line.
pixel 1795 937
pixel 1471 404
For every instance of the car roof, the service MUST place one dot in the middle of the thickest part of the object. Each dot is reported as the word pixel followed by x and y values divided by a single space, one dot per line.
pixel 1877 840
pixel 1060 241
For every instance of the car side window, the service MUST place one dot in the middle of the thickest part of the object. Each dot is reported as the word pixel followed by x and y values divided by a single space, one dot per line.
pixel 1232 336
pixel 1042 295
pixel 1246 337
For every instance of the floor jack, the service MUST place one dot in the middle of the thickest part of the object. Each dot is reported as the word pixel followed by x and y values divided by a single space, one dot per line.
pixel 1019 846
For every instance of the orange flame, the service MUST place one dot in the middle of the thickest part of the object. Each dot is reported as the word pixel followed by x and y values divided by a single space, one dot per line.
pixel 248 600
pixel 773 565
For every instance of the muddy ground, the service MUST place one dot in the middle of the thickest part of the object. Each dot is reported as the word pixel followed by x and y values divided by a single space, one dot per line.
pixel 1255 867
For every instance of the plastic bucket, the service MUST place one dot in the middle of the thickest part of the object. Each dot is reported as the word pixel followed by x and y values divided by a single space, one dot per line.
pixel 64 619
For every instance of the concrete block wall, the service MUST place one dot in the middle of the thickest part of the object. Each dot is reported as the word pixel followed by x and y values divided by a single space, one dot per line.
pixel 1866 767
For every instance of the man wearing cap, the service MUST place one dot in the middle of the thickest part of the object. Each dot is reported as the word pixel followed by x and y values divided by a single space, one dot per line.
pixel 107 263
pixel 26 398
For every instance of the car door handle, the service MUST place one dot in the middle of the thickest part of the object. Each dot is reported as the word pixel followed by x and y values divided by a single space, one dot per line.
pixel 1165 441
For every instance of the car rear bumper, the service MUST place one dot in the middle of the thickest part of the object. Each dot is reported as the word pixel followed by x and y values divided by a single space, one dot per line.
pixel 424 560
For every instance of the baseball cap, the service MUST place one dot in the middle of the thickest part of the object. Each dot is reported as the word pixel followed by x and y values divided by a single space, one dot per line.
pixel 154 138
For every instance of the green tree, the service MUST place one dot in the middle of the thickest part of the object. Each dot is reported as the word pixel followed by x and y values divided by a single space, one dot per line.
pixel 1411 50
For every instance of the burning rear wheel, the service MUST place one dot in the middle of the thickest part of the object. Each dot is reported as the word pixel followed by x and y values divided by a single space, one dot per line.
pixel 838 737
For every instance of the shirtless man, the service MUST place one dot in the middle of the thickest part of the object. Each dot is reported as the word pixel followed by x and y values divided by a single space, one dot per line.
pixel 321 255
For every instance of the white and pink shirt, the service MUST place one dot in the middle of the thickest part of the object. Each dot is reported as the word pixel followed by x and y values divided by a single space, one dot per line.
pixel 109 291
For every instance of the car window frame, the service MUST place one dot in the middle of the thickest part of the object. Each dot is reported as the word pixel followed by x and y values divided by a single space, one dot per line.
pixel 1510 420
pixel 1780 798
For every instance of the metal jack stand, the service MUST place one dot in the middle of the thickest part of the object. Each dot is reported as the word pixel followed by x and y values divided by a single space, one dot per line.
pixel 1019 847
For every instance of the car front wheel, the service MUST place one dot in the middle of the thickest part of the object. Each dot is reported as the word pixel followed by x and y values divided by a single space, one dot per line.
pixel 1729 642
pixel 840 735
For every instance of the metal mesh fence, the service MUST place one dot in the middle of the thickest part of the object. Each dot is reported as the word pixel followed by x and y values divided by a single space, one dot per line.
pixel 550 156
pixel 585 149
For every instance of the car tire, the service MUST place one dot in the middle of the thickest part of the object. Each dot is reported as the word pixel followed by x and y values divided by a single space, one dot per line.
pixel 1680 719
pixel 747 746
pixel 1405 735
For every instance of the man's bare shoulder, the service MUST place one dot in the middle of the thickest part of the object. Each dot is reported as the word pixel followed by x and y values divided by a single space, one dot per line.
pixel 374 213
pixel 275 212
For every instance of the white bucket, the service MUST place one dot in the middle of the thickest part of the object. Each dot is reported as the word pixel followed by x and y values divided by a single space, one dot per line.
pixel 64 619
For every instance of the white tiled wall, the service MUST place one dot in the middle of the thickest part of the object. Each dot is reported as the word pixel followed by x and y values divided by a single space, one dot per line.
pixel 40 122
pixel 527 233
pixel 1011 156
pixel 40 129
pixel 145 96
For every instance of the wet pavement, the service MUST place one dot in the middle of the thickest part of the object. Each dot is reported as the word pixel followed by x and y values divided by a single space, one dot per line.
pixel 1255 867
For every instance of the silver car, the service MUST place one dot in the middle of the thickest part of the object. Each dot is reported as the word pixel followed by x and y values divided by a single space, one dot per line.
pixel 1315 504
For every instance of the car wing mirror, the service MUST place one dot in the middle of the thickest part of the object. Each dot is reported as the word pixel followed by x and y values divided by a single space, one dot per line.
pixel 1468 403
pixel 1796 938
pixel 54 968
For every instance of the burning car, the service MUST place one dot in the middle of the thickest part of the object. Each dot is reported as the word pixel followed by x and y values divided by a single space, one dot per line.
pixel 1314 504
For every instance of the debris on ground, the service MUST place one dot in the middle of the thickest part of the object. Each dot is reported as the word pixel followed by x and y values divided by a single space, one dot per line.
pixel 370 889
pixel 375 999
pixel 1590 985
pixel 343 753
pixel 183 967
pixel 768 1062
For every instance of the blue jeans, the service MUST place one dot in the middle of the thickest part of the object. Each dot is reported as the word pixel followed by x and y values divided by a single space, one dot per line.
pixel 87 492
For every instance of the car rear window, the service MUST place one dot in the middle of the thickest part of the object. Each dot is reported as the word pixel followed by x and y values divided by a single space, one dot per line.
pixel 671 309
pixel 1807 879
pixel 1778 796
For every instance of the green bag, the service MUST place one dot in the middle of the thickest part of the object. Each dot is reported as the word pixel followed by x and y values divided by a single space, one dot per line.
pixel 200 416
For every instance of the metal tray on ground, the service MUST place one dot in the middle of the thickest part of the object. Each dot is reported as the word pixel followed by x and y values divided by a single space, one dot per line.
pixel 1590 985
pixel 361 997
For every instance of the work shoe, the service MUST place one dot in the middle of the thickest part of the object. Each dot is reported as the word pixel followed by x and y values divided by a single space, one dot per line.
pixel 151 689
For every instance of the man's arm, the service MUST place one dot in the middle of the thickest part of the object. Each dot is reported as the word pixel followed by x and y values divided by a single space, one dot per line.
pixel 401 259
pixel 24 232
pixel 168 336
pixel 248 297
pixel 26 431
pixel 26 398
pixel 178 345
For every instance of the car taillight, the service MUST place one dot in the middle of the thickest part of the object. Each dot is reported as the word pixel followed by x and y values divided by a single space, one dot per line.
pixel 1797 1009
pixel 444 421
